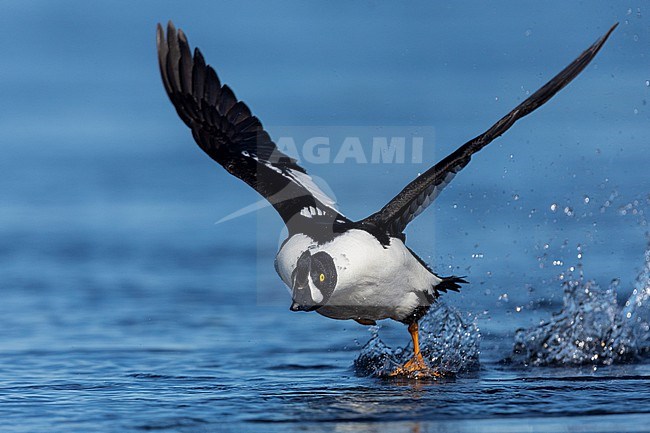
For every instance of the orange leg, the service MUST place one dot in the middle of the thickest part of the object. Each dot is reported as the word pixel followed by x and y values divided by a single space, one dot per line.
pixel 415 366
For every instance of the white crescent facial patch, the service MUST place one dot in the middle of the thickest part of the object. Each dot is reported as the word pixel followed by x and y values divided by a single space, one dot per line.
pixel 316 294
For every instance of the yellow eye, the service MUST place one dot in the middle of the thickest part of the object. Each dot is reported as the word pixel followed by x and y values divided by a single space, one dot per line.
pixel 321 277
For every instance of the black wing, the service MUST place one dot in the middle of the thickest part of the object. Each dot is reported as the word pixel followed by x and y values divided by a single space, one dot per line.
pixel 418 194
pixel 227 131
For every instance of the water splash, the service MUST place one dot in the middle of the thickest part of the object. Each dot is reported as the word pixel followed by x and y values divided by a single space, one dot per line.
pixel 591 328
pixel 447 342
pixel 637 308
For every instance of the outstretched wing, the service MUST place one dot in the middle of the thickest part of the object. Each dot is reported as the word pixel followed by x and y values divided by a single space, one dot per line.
pixel 227 131
pixel 419 194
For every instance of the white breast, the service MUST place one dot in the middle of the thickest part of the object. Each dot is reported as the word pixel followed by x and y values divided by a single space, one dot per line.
pixel 287 258
pixel 373 282
pixel 376 282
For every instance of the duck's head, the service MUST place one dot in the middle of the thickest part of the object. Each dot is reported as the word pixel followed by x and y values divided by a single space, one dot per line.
pixel 313 281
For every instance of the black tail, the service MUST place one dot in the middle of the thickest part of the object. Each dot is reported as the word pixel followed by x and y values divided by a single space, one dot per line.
pixel 449 284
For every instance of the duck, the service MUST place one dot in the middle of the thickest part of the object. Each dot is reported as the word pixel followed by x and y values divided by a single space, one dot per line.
pixel 341 268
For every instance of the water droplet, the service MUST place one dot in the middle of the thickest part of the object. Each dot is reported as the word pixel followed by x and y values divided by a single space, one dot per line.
pixel 515 197
pixel 553 207
pixel 518 308
pixel 647 83
pixel 528 32
pixel 586 199
pixel 636 111
pixel 568 211
pixel 453 347
pixel 635 38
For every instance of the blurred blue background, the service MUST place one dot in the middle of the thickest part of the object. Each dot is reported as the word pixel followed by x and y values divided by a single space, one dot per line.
pixel 108 241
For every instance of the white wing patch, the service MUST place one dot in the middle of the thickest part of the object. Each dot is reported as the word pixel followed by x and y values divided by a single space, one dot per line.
pixel 267 164
pixel 308 183
pixel 301 179
pixel 311 211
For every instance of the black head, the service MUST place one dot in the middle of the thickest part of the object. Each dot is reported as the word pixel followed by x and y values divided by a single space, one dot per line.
pixel 313 281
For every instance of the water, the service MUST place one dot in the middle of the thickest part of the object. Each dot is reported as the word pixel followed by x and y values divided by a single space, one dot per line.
pixel 124 307
pixel 592 328
pixel 448 344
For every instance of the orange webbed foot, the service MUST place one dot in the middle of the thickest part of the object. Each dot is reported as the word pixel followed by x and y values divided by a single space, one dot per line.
pixel 416 367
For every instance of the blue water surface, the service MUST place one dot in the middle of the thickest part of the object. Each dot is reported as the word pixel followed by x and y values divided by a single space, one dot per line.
pixel 125 307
